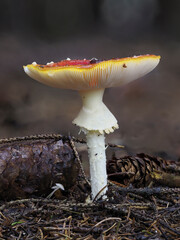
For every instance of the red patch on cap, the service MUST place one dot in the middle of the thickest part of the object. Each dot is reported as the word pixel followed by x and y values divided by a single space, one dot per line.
pixel 69 63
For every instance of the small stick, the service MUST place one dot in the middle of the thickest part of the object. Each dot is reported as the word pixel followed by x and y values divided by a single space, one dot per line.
pixel 104 220
pixel 99 193
pixel 78 159
pixel 48 136
pixel 169 228
pixel 146 191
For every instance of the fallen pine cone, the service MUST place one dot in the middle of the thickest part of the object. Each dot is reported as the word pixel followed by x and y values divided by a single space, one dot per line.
pixel 136 170
pixel 32 165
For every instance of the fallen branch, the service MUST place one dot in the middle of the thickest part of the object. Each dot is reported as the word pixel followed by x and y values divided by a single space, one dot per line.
pixel 166 179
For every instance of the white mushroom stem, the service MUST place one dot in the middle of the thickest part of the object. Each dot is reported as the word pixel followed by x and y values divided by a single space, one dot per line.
pixel 97 162
pixel 95 119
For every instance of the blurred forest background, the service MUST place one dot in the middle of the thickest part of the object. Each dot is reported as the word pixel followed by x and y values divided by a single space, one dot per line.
pixel 147 109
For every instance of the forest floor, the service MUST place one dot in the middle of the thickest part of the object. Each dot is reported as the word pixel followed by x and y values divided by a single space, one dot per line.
pixel 129 213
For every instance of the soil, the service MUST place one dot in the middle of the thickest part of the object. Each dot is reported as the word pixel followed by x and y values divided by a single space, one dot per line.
pixel 128 213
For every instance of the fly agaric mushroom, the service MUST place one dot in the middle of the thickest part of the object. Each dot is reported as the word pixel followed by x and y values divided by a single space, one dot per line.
pixel 90 78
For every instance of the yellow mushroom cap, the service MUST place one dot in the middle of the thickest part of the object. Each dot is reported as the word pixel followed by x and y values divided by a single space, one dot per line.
pixel 98 74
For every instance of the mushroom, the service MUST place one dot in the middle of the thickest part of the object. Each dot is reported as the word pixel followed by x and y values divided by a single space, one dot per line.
pixel 90 78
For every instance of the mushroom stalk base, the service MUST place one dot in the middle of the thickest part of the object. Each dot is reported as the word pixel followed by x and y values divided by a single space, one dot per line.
pixel 97 162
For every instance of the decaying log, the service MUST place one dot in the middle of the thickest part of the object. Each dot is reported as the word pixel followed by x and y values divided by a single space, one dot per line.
pixel 32 165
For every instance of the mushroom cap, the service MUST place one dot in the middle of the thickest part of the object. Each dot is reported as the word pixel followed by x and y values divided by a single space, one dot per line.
pixel 91 74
